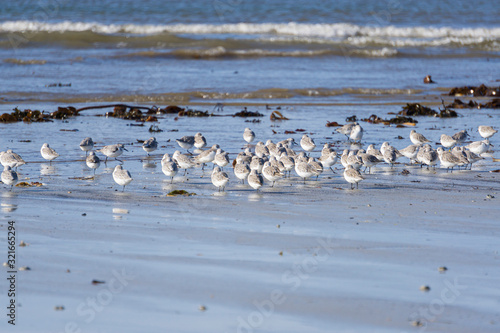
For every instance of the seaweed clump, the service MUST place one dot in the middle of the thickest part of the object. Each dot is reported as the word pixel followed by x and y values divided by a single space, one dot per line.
pixel 246 113
pixel 458 104
pixel 193 113
pixel 480 91
pixel 130 113
pixel 416 109
pixel 400 120
pixel 29 115
pixel 446 112
pixel 171 109
pixel 180 192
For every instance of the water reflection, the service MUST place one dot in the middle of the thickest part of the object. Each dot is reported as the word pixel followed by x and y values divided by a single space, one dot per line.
pixel 255 197
pixel 119 212
pixel 8 208
pixel 219 194
pixel 47 169
pixel 147 164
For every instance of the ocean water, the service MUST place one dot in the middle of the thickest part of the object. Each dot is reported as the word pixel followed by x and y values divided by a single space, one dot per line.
pixel 235 51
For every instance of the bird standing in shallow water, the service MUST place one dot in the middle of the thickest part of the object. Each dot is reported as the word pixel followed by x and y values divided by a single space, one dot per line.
pixel 248 135
pixel 199 141
pixel 86 145
pixel 219 178
pixel 9 177
pixel 48 153
pixel 352 176
pixel 255 180
pixel 93 161
pixel 121 176
pixel 417 138
pixel 356 133
pixel 307 143
pixel 186 142
pixel 113 151
pixel 486 131
pixel 169 167
pixel 150 145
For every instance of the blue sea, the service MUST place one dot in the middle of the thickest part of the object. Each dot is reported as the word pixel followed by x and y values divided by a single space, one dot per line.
pixel 235 51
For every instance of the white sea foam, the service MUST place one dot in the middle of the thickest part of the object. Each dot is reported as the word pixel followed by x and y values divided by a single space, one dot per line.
pixel 338 30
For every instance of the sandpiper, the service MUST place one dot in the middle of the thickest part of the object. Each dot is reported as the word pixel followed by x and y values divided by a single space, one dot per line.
pixel 486 131
pixel 199 141
pixel 86 145
pixel 169 167
pixel 248 135
pixel 255 180
pixel 307 143
pixel 186 142
pixel 417 138
pixel 150 145
pixel 121 176
pixel 9 177
pixel 447 141
pixel 352 176
pixel 93 161
pixel 219 178
pixel 113 151
pixel 48 153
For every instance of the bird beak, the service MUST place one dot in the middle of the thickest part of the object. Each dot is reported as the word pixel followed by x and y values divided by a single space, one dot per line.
pixel 125 149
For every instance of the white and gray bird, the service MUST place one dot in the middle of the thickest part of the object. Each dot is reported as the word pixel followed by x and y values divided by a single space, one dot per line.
pixel 219 178
pixel 346 129
pixel 486 131
pixel 206 156
pixel 271 173
pixel 410 152
pixel 112 151
pixel 87 145
pixel 352 176
pixel 169 167
pixel 150 145
pixel 356 133
pixel 447 159
pixel 48 153
pixel 257 164
pixel 255 180
pixel 9 177
pixel 11 159
pixel 261 150
pixel 221 158
pixel 460 137
pixel 479 147
pixel 304 170
pixel 328 160
pixel 307 143
pixel 121 176
pixel 183 161
pixel 248 135
pixel 417 138
pixel 186 142
pixel 447 141
pixel 199 141
pixel 241 171
pixel 93 161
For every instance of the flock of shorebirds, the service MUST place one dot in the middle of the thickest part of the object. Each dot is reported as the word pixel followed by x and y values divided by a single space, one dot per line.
pixel 273 161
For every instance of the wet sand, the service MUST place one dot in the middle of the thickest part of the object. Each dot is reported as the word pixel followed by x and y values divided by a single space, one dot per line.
pixel 317 257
